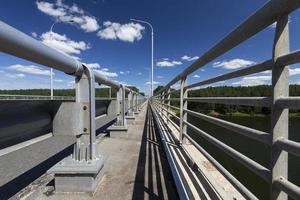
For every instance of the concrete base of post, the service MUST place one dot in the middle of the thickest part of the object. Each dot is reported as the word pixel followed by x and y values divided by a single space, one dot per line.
pixel 74 176
pixel 130 119
pixel 117 131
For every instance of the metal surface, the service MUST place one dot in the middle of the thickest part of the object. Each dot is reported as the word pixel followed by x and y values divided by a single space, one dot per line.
pixel 273 11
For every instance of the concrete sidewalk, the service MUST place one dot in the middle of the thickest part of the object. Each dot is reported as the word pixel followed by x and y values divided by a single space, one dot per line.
pixel 136 167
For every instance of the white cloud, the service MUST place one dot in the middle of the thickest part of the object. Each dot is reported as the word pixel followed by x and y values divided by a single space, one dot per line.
pixel 295 71
pixel 154 83
pixel 253 80
pixel 63 44
pixel 92 65
pixel 139 73
pixel 188 58
pixel 126 72
pixel 15 75
pixel 125 32
pixel 166 63
pixel 102 71
pixel 159 77
pixel 58 80
pixel 121 72
pixel 65 13
pixel 234 63
pixel 30 69
pixel 34 34
pixel 196 76
pixel 106 73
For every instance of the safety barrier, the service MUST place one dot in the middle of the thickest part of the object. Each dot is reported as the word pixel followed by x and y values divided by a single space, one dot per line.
pixel 274 11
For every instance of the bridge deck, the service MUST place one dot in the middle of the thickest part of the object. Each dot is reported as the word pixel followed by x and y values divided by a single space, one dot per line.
pixel 136 167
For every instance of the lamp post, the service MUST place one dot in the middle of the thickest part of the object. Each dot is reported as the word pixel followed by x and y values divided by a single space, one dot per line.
pixel 141 21
pixel 51 69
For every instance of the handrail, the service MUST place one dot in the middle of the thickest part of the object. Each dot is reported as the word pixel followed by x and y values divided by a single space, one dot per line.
pixel 279 101
pixel 261 19
pixel 14 42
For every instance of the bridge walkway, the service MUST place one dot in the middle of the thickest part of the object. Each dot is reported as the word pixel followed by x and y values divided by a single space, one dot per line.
pixel 136 167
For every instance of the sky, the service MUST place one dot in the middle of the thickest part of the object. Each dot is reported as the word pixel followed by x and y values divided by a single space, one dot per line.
pixel 100 34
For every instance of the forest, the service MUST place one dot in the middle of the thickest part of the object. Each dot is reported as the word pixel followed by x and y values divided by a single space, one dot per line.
pixel 229 91
pixel 99 92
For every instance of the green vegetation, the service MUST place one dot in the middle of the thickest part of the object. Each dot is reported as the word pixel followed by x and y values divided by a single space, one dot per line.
pixel 229 91
pixel 99 92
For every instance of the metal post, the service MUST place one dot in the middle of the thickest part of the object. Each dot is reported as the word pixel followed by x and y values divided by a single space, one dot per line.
pixel 280 116
pixel 168 103
pixel 136 103
pixel 84 95
pixel 183 105
pixel 51 83
pixel 162 102
pixel 123 111
pixel 130 103
pixel 109 92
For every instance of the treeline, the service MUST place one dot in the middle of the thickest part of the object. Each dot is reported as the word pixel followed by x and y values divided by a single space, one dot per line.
pixel 228 91
pixel 99 92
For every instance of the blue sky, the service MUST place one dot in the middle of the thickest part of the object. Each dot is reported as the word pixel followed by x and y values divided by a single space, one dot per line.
pixel 103 37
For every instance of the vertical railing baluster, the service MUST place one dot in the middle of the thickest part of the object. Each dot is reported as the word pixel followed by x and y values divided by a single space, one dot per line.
pixel 163 102
pixel 280 116
pixel 168 103
pixel 183 105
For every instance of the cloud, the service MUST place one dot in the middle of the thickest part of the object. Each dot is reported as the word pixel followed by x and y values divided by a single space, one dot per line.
pixel 188 58
pixel 102 71
pixel 139 73
pixel 58 80
pixel 92 65
pixel 14 75
pixel 63 44
pixel 107 73
pixel 126 72
pixel 125 32
pixel 234 63
pixel 65 13
pixel 253 80
pixel 196 76
pixel 159 77
pixel 154 83
pixel 34 34
pixel 167 63
pixel 29 69
pixel 294 72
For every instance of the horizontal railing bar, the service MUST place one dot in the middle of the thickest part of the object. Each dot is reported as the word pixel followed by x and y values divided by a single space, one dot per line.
pixel 289 146
pixel 239 186
pixel 247 162
pixel 17 43
pixel 261 19
pixel 171 106
pixel 288 102
pixel 174 124
pixel 267 65
pixel 248 101
pixel 243 130
pixel 169 112
pixel 172 91
pixel 289 59
pixel 291 189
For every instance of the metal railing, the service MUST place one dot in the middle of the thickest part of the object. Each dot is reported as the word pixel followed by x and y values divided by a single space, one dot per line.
pixel 76 119
pixel 276 175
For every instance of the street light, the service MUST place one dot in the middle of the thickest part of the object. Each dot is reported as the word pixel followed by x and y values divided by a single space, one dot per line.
pixel 51 69
pixel 141 21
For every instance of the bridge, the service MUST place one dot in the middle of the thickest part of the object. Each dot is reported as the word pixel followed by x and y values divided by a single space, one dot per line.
pixel 127 146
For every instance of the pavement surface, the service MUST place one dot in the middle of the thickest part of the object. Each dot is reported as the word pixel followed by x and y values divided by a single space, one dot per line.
pixel 136 168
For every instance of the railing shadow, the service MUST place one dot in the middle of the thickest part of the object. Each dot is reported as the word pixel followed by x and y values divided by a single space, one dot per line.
pixel 153 178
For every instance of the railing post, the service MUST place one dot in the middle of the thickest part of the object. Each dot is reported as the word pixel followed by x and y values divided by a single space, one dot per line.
pixel 130 103
pixel 280 116
pixel 162 102
pixel 183 105
pixel 168 103
pixel 78 119
pixel 123 110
